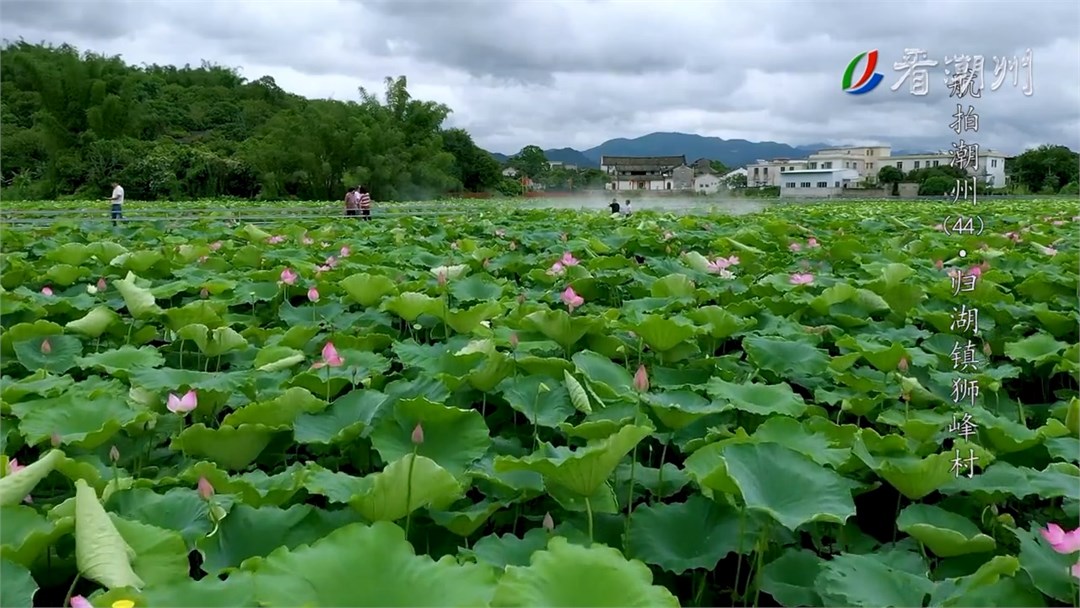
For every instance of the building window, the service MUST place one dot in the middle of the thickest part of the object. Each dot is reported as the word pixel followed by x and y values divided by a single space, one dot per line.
pixel 869 152
pixel 812 166
pixel 789 185
pixel 781 169
pixel 804 185
pixel 765 170
pixel 826 165
pixel 935 163
pixel 823 184
pixel 899 164
pixel 993 162
pixel 755 170
pixel 837 184
pixel 917 164
pixel 869 165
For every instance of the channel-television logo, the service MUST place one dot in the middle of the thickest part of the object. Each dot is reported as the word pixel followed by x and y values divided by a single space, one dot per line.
pixel 869 79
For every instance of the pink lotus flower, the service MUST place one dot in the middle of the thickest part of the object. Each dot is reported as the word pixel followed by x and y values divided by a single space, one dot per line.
pixel 454 245
pixel 289 277
pixel 556 269
pixel 203 258
pixel 14 467
pixel 500 232
pixel 215 245
pixel 1014 236
pixel 795 247
pixel 568 259
pixel 101 285
pixel 572 299
pixel 322 269
pixel 812 242
pixel 78 601
pixel 46 348
pixel 274 240
pixel 307 240
pixel 668 235
pixel 1063 542
pixel 345 251
pixel 721 264
pixel 206 489
pixel 548 523
pixel 331 262
pixel 939 264
pixel 418 434
pixel 313 294
pixel 641 379
pixel 1075 570
pixel 513 245
pixel 903 364
pixel 330 357
pixel 513 340
pixel 46 291
pixel 441 278
pixel 182 405
pixel 1058 223
pixel 802 278
pixel 56 440
pixel 204 293
pixel 324 244
pixel 975 271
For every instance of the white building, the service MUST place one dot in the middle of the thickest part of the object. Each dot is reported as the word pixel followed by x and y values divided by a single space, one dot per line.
pixel 509 172
pixel 817 183
pixel 708 183
pixel 866 160
pixel 647 172
pixel 990 167
pixel 768 172
pixel 730 175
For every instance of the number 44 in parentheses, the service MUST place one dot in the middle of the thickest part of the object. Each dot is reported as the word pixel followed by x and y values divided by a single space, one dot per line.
pixel 963 225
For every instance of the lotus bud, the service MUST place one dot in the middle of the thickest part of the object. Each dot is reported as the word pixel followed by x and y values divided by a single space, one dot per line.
pixel 986 349
pixel 513 340
pixel 513 245
pixel 418 434
pixel 55 440
pixel 204 293
pixel 78 601
pixel 114 454
pixel 206 489
pixel 442 279
pixel 549 522
pixel 902 365
pixel 905 396
pixel 641 379
pixel 46 348
pixel 313 294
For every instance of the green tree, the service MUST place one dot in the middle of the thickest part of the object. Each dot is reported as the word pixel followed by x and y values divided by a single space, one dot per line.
pixel 475 168
pixel 1046 168
pixel 890 175
pixel 531 161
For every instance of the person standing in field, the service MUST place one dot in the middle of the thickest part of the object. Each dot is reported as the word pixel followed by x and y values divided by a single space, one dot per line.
pixel 364 199
pixel 117 199
pixel 626 210
pixel 352 200
pixel 614 206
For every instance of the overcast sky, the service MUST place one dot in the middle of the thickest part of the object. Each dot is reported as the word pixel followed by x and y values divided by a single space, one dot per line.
pixel 578 72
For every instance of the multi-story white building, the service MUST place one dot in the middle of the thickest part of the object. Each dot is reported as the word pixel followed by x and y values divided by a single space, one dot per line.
pixel 990 167
pixel 767 172
pixel 817 183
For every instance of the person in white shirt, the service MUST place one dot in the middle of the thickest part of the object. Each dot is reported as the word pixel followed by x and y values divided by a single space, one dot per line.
pixel 117 202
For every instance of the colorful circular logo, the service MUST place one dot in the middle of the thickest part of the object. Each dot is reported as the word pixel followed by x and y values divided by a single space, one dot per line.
pixel 869 79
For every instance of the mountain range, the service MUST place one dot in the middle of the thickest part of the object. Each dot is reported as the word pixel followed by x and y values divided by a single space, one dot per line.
pixel 731 152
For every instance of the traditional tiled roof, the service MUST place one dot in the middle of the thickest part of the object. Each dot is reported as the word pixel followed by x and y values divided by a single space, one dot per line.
pixel 656 162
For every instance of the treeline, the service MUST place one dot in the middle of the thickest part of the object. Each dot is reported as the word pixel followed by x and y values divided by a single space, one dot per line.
pixel 72 123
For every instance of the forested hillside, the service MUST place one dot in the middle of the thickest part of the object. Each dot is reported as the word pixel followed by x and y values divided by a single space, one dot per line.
pixel 70 124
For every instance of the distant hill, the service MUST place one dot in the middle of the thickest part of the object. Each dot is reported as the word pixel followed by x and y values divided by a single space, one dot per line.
pixel 731 152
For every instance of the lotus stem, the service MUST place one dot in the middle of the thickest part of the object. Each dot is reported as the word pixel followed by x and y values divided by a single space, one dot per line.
pixel 71 589
pixel 738 551
pixel 131 326
pixel 181 353
pixel 408 494
pixel 630 496
pixel 588 512
pixel 660 476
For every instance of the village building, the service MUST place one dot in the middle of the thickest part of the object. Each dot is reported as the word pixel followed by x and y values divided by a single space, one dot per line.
pixel 647 172
pixel 817 183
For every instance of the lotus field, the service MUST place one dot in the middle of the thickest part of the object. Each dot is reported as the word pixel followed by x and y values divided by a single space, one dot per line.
pixel 819 405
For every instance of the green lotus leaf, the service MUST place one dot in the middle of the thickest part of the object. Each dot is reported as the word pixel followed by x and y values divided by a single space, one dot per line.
pixel 608 379
pixel 578 397
pixel 794 434
pixel 663 333
pixel 720 324
pixel 160 555
pixel 673 286
pixel 213 343
pixel 454 438
pixel 464 522
pixel 1057 480
pixel 257 532
pixel 366 289
pixel 180 510
pixel 343 421
pixel 139 301
pixel 56 354
pixel 558 325
pixel 581 471
pixel 70 253
pixel 679 409
pixel 476 288
pixel 695 534
pixel 775 480
pixel 787 358
pixel 254 488
pixel 19 587
pixel 26 534
pixel 869 580
pixel 945 533
pixel 119 361
pixel 972 589
pixel 232 447
pixel 543 400
pixel 572 575
pixel 509 550
pixel 14 487
pixel 469 320
pixel 101 552
pixel 912 476
pixel 410 305
pixel 1036 348
pixel 791 578
pixel 495 368
pixel 41 383
pixel 276 358
pixel 200 312
pixel 1048 569
pixel 761 399
pixel 88 416
pixel 94 323
pixel 277 413
pixel 385 496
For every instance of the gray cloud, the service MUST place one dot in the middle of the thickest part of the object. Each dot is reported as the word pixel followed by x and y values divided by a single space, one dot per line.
pixel 577 72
